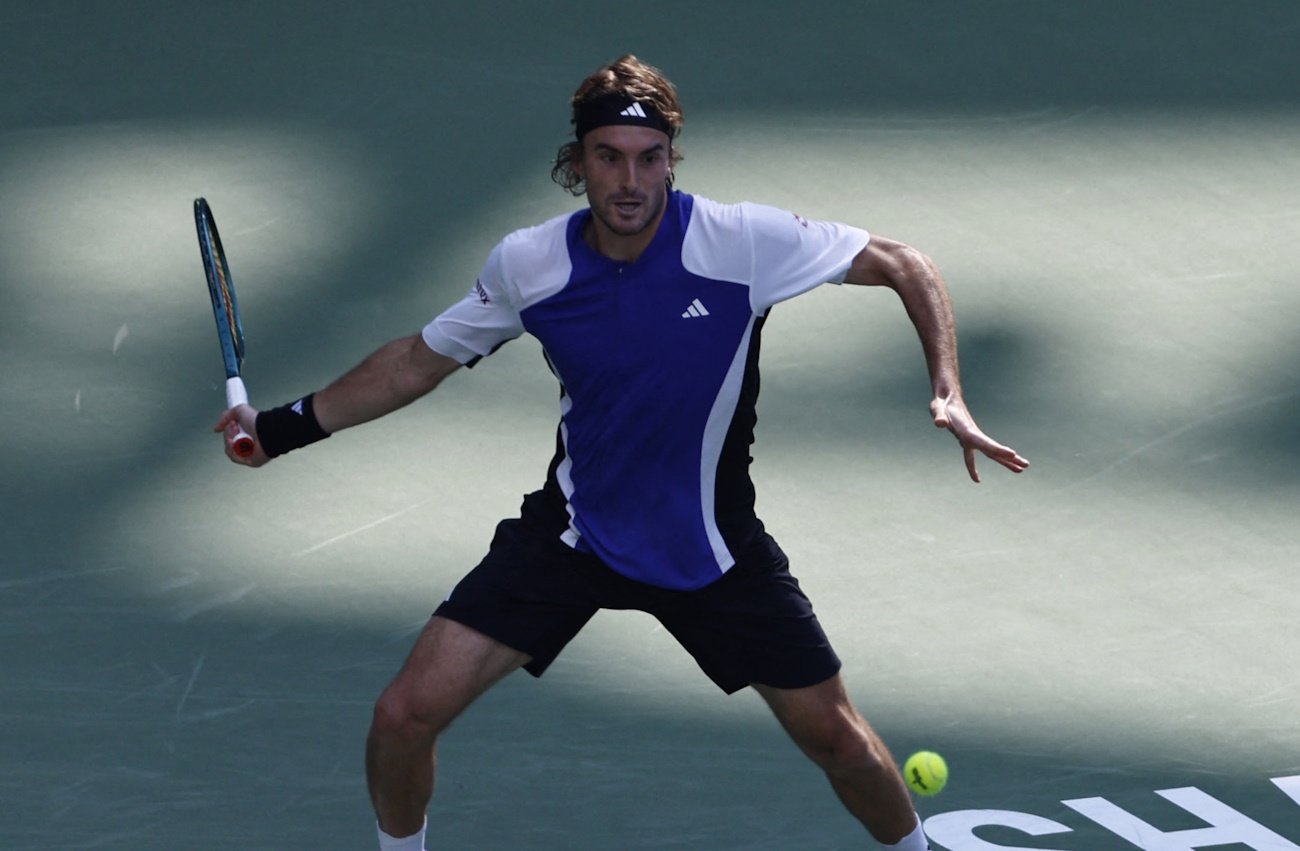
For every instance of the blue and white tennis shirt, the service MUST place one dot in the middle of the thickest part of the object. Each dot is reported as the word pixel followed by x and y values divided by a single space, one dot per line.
pixel 658 367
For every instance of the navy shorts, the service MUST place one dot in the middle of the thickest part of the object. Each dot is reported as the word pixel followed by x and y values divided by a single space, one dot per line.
pixel 534 593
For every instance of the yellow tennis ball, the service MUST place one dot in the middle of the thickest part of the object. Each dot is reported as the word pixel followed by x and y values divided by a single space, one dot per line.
pixel 925 772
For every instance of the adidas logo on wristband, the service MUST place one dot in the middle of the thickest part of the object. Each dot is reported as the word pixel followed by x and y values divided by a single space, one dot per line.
pixel 289 427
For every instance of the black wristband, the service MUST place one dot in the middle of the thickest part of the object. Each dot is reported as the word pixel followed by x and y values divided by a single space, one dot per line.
pixel 289 427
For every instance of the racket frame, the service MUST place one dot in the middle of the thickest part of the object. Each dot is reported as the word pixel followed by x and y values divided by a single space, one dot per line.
pixel 225 309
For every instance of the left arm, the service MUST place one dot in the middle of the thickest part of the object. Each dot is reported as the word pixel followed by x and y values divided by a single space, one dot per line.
pixel 908 272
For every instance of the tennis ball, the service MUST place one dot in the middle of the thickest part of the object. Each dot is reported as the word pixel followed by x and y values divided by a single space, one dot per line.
pixel 926 773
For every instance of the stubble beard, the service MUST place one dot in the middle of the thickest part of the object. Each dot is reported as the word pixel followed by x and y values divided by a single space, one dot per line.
pixel 660 199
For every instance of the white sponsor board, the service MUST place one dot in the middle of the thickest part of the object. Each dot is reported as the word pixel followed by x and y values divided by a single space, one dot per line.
pixel 955 831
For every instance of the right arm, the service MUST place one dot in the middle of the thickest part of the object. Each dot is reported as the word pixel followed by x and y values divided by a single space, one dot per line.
pixel 394 376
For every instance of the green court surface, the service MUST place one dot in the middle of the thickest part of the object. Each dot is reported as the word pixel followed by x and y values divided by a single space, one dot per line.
pixel 1102 648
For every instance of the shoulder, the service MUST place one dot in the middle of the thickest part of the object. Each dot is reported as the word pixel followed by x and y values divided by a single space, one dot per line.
pixel 714 211
pixel 531 243
pixel 777 253
pixel 715 245
pixel 720 239
pixel 529 260
pixel 718 222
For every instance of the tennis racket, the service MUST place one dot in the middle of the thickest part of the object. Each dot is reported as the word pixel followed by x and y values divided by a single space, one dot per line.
pixel 229 330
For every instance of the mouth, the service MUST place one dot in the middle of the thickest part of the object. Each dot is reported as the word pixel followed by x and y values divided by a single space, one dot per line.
pixel 627 206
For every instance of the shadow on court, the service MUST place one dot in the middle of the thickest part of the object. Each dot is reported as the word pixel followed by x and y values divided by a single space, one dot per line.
pixel 191 651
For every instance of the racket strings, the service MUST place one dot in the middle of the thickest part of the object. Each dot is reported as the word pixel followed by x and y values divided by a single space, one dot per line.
pixel 223 284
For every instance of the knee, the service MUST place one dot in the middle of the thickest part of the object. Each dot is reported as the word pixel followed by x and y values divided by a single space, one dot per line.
pixel 398 715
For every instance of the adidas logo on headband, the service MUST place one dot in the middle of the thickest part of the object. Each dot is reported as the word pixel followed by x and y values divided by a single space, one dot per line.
pixel 618 108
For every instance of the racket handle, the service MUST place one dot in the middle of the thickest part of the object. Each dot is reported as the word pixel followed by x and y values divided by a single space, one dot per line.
pixel 237 394
pixel 243 444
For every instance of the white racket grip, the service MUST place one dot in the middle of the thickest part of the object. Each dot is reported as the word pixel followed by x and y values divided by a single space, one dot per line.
pixel 237 394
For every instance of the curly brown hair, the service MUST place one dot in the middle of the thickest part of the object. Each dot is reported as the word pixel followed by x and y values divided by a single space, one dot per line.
pixel 632 78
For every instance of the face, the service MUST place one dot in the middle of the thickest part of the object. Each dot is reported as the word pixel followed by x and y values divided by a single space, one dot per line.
pixel 626 169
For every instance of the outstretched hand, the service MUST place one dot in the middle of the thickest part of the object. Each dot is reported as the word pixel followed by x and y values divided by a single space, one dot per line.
pixel 230 423
pixel 950 412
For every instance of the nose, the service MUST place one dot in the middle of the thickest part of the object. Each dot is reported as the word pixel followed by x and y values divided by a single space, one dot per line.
pixel 627 179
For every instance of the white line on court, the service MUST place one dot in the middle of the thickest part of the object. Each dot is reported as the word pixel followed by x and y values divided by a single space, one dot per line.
pixel 359 529
pixel 189 687
pixel 1067 119
pixel 256 228
pixel 213 602
pixel 1181 430
pixel 57 577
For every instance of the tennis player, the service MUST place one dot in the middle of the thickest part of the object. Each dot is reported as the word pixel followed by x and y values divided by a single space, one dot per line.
pixel 649 304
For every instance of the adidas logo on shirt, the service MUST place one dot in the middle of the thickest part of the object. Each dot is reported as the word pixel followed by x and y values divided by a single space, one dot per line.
pixel 634 111
pixel 297 407
pixel 696 309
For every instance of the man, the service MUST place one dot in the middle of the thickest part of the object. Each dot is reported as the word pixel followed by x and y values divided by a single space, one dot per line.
pixel 649 305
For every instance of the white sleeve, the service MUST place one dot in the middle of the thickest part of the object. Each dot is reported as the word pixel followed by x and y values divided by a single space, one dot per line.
pixel 792 255
pixel 481 322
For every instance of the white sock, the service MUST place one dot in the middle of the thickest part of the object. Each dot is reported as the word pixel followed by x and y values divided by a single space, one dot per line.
pixel 914 841
pixel 414 842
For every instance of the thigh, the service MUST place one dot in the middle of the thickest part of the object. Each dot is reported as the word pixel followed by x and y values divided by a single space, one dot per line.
pixel 753 626
pixel 532 592
pixel 449 667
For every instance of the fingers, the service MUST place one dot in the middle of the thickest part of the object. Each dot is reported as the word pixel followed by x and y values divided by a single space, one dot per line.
pixel 233 434
pixel 1004 455
pixel 1012 460
pixel 227 417
pixel 232 431
pixel 236 425
pixel 952 415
